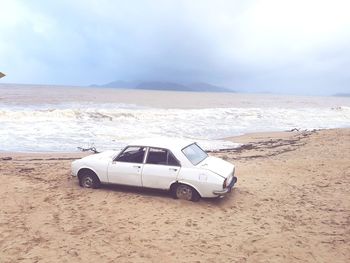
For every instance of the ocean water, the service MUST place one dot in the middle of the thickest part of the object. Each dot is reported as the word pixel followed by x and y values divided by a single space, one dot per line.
pixel 63 125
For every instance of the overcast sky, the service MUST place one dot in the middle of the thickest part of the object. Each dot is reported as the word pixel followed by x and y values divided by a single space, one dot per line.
pixel 270 45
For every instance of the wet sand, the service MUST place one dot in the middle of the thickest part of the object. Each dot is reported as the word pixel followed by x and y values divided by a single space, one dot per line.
pixel 291 204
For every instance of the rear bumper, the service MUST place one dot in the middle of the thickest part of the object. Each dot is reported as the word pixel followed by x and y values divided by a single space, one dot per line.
pixel 227 189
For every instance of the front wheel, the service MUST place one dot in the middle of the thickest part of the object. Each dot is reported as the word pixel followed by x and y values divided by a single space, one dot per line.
pixel 186 192
pixel 89 180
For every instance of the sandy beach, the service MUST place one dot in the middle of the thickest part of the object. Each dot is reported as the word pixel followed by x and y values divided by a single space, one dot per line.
pixel 291 204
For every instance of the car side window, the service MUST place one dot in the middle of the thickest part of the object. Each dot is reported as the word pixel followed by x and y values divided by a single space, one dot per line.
pixel 172 160
pixel 161 156
pixel 157 156
pixel 132 154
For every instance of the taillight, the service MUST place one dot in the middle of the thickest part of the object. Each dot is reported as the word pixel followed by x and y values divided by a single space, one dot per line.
pixel 225 182
pixel 228 181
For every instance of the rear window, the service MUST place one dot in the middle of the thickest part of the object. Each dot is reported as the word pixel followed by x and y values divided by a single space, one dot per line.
pixel 194 153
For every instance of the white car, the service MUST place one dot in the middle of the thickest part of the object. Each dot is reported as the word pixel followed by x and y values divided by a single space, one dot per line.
pixel 180 166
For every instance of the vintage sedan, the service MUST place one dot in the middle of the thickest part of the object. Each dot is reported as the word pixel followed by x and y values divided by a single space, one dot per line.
pixel 177 165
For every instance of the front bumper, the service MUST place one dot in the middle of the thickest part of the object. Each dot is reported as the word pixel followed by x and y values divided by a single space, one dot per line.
pixel 227 189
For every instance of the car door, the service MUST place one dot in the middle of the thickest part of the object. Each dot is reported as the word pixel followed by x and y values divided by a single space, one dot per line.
pixel 127 167
pixel 160 169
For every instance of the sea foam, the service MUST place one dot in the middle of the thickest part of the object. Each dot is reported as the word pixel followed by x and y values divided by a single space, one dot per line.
pixel 64 127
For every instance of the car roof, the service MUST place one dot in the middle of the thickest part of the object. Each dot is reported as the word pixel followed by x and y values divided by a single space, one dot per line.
pixel 163 142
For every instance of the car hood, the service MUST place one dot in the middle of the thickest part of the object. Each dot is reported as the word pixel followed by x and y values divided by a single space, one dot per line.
pixel 99 156
pixel 218 166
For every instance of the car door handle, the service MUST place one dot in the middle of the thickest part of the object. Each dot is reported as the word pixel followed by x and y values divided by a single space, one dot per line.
pixel 137 166
pixel 173 169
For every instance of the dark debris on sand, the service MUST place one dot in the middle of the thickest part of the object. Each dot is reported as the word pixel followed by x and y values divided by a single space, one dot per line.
pixel 278 146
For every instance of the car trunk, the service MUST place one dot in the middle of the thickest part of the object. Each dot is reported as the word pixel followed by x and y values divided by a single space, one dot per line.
pixel 217 166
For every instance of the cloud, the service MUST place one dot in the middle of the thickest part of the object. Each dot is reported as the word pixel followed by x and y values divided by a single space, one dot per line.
pixel 283 46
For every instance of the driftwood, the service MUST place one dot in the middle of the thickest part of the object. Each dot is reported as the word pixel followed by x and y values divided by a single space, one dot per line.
pixel 295 129
pixel 93 149
pixel 6 158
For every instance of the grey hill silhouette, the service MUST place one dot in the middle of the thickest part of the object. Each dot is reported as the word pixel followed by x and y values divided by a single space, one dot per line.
pixel 160 85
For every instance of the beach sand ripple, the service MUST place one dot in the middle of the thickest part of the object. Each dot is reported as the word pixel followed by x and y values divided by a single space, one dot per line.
pixel 291 204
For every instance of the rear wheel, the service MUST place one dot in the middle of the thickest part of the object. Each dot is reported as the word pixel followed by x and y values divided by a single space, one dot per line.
pixel 185 192
pixel 89 180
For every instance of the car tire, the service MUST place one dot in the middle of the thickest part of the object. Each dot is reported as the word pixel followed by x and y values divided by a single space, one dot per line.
pixel 89 180
pixel 185 192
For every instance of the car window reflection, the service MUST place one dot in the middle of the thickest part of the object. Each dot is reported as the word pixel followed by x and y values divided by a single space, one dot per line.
pixel 162 157
pixel 132 154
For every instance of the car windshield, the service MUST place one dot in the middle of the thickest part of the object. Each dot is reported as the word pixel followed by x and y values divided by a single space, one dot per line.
pixel 194 153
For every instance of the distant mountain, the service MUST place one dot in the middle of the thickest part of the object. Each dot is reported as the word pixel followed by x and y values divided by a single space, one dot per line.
pixel 155 85
pixel 117 84
pixel 342 95
pixel 202 86
pixel 158 85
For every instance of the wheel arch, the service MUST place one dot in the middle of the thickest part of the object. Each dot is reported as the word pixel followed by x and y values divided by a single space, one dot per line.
pixel 84 170
pixel 175 183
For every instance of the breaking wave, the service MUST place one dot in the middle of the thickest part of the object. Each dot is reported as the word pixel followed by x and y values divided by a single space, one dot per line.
pixel 108 126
